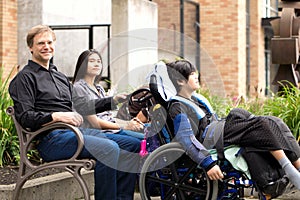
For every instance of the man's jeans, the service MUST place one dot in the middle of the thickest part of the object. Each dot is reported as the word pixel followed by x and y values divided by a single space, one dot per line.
pixel 117 159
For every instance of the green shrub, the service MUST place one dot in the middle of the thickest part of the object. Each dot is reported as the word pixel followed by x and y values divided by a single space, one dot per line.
pixel 286 105
pixel 9 143
pixel 220 105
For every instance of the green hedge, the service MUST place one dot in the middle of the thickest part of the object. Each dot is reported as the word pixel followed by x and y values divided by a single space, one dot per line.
pixel 284 104
pixel 9 143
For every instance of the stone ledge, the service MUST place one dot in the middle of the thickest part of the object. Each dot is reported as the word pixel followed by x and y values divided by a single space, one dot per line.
pixel 64 186
pixel 58 186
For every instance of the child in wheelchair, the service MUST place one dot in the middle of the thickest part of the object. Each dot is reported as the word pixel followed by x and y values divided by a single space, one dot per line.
pixel 197 128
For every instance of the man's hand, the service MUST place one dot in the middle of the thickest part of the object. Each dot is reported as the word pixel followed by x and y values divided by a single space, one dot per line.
pixel 72 118
pixel 215 173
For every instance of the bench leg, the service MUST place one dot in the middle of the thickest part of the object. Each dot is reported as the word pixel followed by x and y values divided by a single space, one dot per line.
pixel 76 173
pixel 18 188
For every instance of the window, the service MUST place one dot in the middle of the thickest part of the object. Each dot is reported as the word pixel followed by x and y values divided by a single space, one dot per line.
pixel 270 8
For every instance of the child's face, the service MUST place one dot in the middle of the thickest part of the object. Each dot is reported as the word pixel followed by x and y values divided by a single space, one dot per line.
pixel 193 81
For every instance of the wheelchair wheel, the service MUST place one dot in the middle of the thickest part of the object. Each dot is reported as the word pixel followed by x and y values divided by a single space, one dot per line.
pixel 168 173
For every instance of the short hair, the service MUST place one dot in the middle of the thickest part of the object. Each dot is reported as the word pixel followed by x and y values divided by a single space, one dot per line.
pixel 37 30
pixel 180 70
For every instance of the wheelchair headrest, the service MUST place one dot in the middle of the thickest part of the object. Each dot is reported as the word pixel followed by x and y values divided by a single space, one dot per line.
pixel 160 84
pixel 163 90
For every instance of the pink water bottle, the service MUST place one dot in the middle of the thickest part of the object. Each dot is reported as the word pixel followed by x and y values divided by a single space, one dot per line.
pixel 143 151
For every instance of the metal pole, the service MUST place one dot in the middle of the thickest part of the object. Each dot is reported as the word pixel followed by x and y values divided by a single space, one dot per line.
pixel 108 56
pixel 198 38
pixel 91 37
pixel 182 28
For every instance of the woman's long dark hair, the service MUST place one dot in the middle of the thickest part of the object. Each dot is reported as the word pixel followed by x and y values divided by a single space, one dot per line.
pixel 82 64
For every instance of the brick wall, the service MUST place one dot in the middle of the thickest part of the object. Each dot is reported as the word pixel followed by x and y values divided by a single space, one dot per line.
pixel 222 37
pixel 223 42
pixel 8 35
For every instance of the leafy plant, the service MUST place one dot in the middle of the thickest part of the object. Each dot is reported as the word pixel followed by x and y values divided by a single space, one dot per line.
pixel 220 105
pixel 286 105
pixel 9 144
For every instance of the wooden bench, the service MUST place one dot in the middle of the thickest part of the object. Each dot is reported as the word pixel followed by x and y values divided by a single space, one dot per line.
pixel 28 168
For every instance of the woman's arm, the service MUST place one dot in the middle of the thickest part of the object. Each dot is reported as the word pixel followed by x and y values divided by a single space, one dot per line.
pixel 96 122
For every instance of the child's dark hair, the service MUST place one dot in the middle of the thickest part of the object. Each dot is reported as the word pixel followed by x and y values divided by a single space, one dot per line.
pixel 180 70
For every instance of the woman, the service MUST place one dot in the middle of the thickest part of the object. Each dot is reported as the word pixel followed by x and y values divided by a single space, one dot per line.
pixel 87 75
pixel 241 128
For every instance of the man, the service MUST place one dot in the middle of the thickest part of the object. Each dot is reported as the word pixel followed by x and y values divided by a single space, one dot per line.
pixel 42 95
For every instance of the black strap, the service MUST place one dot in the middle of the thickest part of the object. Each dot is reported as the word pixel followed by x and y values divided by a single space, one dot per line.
pixel 220 142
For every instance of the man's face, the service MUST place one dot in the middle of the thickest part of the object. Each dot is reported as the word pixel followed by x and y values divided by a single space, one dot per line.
pixel 42 48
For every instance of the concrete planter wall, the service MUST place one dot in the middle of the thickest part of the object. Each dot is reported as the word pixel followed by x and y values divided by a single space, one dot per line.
pixel 57 186
pixel 64 186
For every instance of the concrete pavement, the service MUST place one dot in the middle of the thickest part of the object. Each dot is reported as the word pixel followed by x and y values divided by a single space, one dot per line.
pixel 290 196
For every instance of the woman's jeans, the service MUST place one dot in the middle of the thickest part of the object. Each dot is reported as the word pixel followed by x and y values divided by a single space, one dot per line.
pixel 132 133
pixel 116 157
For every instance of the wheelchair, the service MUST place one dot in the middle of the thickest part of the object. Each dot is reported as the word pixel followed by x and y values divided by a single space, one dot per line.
pixel 168 173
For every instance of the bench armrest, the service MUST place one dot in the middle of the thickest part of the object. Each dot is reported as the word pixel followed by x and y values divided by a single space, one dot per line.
pixel 26 137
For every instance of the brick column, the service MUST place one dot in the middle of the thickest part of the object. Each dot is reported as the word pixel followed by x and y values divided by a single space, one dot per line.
pixel 223 36
pixel 257 57
pixel 8 35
